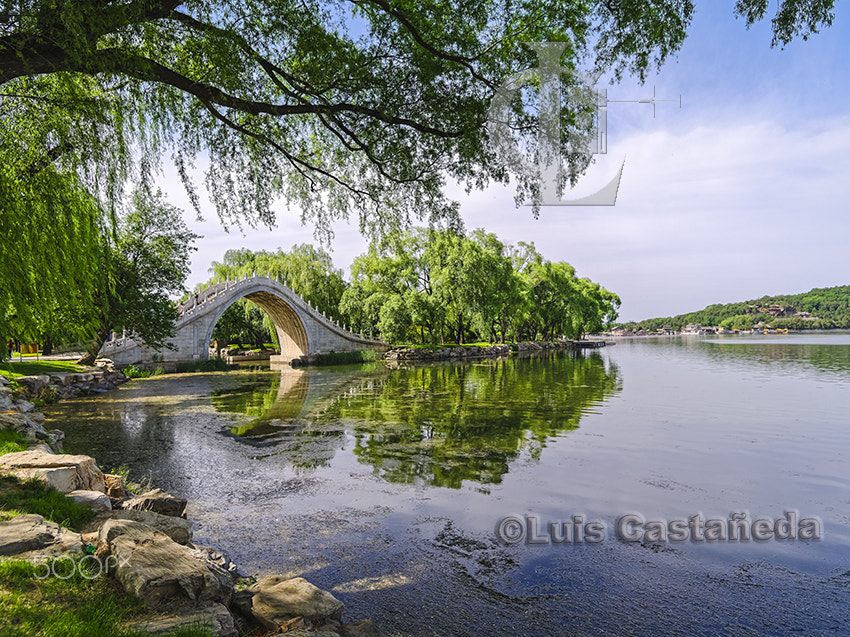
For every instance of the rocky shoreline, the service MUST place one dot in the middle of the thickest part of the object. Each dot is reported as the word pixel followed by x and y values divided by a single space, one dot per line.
pixel 145 543
pixel 471 351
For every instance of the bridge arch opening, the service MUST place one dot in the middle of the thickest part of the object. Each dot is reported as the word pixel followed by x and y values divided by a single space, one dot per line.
pixel 290 329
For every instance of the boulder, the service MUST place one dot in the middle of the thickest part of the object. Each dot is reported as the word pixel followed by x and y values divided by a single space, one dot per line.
pixel 215 617
pixel 23 406
pixel 22 424
pixel 95 500
pixel 278 599
pixel 33 534
pixel 32 385
pixel 220 566
pixel 154 568
pixel 3 381
pixel 157 501
pixel 6 399
pixel 64 472
pixel 177 529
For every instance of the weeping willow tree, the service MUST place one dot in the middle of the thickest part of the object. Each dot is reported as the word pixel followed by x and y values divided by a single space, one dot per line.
pixel 336 107
pixel 51 225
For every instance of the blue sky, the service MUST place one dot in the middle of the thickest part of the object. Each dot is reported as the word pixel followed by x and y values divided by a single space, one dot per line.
pixel 742 192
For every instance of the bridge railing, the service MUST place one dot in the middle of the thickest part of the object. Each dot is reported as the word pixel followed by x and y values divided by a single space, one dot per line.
pixel 200 302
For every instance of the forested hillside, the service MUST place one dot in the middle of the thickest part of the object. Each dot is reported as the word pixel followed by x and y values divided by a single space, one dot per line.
pixel 820 308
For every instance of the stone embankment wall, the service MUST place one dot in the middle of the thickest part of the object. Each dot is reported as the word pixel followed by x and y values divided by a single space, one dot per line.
pixel 62 385
pixel 469 351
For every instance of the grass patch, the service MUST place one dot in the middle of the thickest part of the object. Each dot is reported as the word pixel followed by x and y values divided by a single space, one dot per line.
pixel 34 496
pixel 11 441
pixel 36 368
pixel 131 371
pixel 348 358
pixel 83 605
pixel 208 365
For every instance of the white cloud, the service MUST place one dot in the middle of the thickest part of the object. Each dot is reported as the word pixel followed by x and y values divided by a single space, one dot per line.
pixel 726 211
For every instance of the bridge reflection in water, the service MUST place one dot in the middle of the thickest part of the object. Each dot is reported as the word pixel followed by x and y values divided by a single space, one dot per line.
pixel 435 425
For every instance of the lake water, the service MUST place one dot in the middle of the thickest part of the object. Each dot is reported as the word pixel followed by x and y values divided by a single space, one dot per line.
pixel 391 487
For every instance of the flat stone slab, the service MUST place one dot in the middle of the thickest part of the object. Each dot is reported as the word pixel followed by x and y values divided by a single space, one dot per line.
pixel 62 479
pixel 177 529
pixel 29 534
pixel 157 501
pixel 215 617
pixel 87 475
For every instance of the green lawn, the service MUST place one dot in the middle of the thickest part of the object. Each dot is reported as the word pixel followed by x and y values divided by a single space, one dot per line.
pixel 35 368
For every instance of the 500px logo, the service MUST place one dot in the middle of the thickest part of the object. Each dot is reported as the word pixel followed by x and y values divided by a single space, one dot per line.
pixel 64 567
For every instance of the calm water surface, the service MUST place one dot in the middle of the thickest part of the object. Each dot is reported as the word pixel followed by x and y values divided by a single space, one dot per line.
pixel 386 486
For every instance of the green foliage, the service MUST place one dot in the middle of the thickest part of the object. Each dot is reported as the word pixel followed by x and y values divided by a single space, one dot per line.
pixel 793 19
pixel 243 322
pixel 829 309
pixel 11 441
pixel 436 286
pixel 336 107
pixel 133 487
pixel 147 260
pixel 131 371
pixel 34 496
pixel 307 270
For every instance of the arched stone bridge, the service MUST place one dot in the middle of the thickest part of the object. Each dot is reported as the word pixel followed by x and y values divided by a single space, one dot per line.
pixel 301 329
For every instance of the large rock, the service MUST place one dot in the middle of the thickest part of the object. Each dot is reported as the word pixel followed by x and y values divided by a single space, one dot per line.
pixel 157 501
pixel 32 385
pixel 215 617
pixel 278 599
pixel 22 424
pixel 33 534
pixel 64 472
pixel 6 399
pixel 177 529
pixel 153 567
pixel 95 500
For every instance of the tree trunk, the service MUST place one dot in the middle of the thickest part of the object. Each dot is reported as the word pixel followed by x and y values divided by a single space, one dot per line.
pixel 47 346
pixel 94 348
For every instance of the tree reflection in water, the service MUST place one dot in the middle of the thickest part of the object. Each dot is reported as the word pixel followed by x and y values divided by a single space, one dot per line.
pixel 436 424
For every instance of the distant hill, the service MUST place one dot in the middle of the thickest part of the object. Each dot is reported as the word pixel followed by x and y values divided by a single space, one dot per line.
pixel 820 308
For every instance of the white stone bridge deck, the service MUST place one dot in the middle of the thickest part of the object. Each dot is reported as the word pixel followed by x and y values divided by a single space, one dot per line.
pixel 302 330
